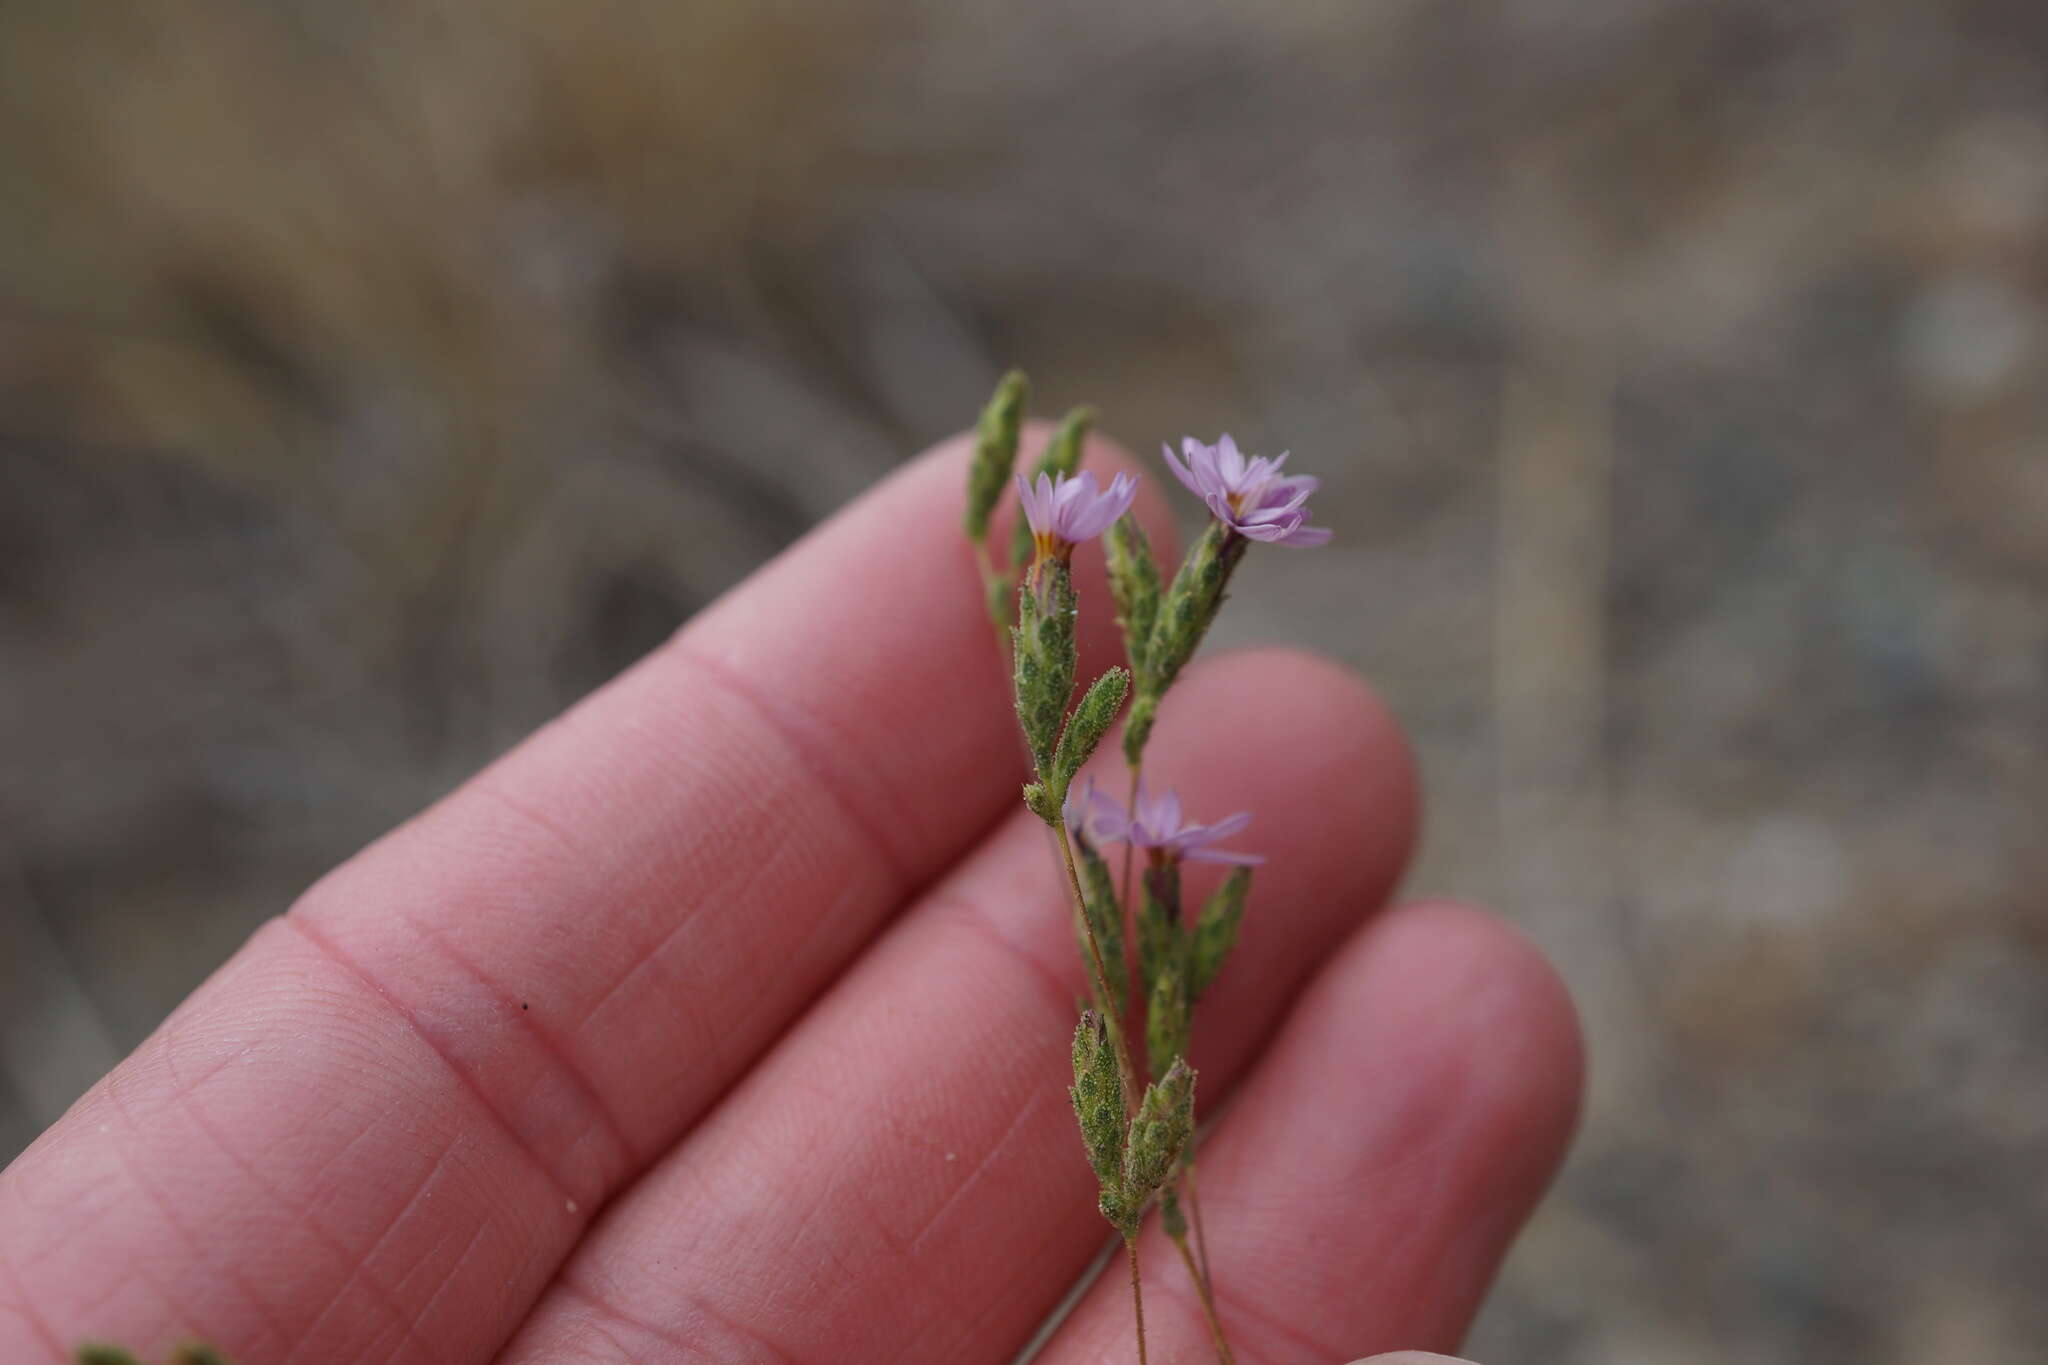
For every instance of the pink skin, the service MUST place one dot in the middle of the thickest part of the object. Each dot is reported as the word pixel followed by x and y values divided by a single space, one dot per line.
pixel 769 950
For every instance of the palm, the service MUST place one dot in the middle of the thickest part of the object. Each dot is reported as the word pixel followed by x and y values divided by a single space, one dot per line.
pixel 726 1019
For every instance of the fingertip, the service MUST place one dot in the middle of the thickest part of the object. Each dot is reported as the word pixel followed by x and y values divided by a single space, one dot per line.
pixel 1532 1059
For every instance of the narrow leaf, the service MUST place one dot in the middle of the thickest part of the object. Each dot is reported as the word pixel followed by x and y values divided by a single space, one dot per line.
pixel 1090 721
pixel 995 452
pixel 1216 929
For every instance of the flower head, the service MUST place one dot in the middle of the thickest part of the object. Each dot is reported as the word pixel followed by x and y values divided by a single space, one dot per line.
pixel 1075 507
pixel 1155 826
pixel 1250 496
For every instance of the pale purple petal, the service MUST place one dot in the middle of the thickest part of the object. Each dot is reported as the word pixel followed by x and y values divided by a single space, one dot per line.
pixel 1087 520
pixel 1158 825
pixel 1076 507
pixel 1270 533
pixel 1306 537
pixel 1092 814
pixel 1036 502
pixel 1222 855
pixel 1224 828
pixel 1073 491
pixel 1229 462
pixel 1181 471
pixel 1289 492
pixel 1248 494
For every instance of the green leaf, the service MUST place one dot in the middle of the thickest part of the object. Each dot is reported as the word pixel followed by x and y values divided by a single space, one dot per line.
pixel 1170 1216
pixel 1165 1121
pixel 1105 916
pixel 1086 727
pixel 995 452
pixel 1185 615
pixel 1166 1018
pixel 1043 663
pixel 1134 586
pixel 1098 1097
pixel 1161 944
pixel 1138 726
pixel 1216 929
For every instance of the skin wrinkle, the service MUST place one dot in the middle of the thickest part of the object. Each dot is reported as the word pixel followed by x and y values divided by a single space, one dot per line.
pixel 1231 1305
pixel 359 1265
pixel 414 1323
pixel 1058 989
pixel 161 1202
pixel 493 788
pixel 327 949
pixel 1026 1112
pixel 625 1156
pixel 23 1307
pixel 791 725
pixel 686 1350
pixel 187 1100
pixel 709 1034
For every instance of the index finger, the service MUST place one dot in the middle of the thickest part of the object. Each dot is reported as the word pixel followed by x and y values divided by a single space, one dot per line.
pixel 377 1130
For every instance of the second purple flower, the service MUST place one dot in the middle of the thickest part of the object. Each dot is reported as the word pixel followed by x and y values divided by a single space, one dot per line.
pixel 1249 495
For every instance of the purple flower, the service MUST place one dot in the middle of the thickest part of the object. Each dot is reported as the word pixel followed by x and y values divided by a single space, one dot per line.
pixel 1156 826
pixel 1062 514
pixel 1094 815
pixel 1250 496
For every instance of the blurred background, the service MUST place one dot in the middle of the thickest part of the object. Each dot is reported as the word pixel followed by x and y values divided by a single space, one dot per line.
pixel 376 378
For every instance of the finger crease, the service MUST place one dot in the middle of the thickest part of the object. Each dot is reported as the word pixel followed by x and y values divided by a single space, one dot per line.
pixel 815 749
pixel 333 953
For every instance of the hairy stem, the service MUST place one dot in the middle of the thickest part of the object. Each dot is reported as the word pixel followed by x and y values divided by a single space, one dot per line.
pixel 1137 1295
pixel 1108 1003
pixel 1130 814
pixel 989 581
pixel 1201 1280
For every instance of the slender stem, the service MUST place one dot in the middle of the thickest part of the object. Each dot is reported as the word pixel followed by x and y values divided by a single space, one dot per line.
pixel 1208 1301
pixel 1105 999
pixel 1130 813
pixel 1137 1295
pixel 989 579
pixel 1195 1214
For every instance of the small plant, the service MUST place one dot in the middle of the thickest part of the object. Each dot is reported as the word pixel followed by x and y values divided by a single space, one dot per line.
pixel 1135 1105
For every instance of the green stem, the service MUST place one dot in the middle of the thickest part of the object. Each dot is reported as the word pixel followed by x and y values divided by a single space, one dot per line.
pixel 1201 1280
pixel 1195 1215
pixel 1137 1295
pixel 1105 1000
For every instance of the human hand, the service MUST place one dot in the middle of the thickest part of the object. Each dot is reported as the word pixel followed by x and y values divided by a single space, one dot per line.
pixel 725 1019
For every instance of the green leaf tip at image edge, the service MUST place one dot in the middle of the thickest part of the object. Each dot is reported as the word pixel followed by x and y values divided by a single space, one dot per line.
pixel 192 1353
